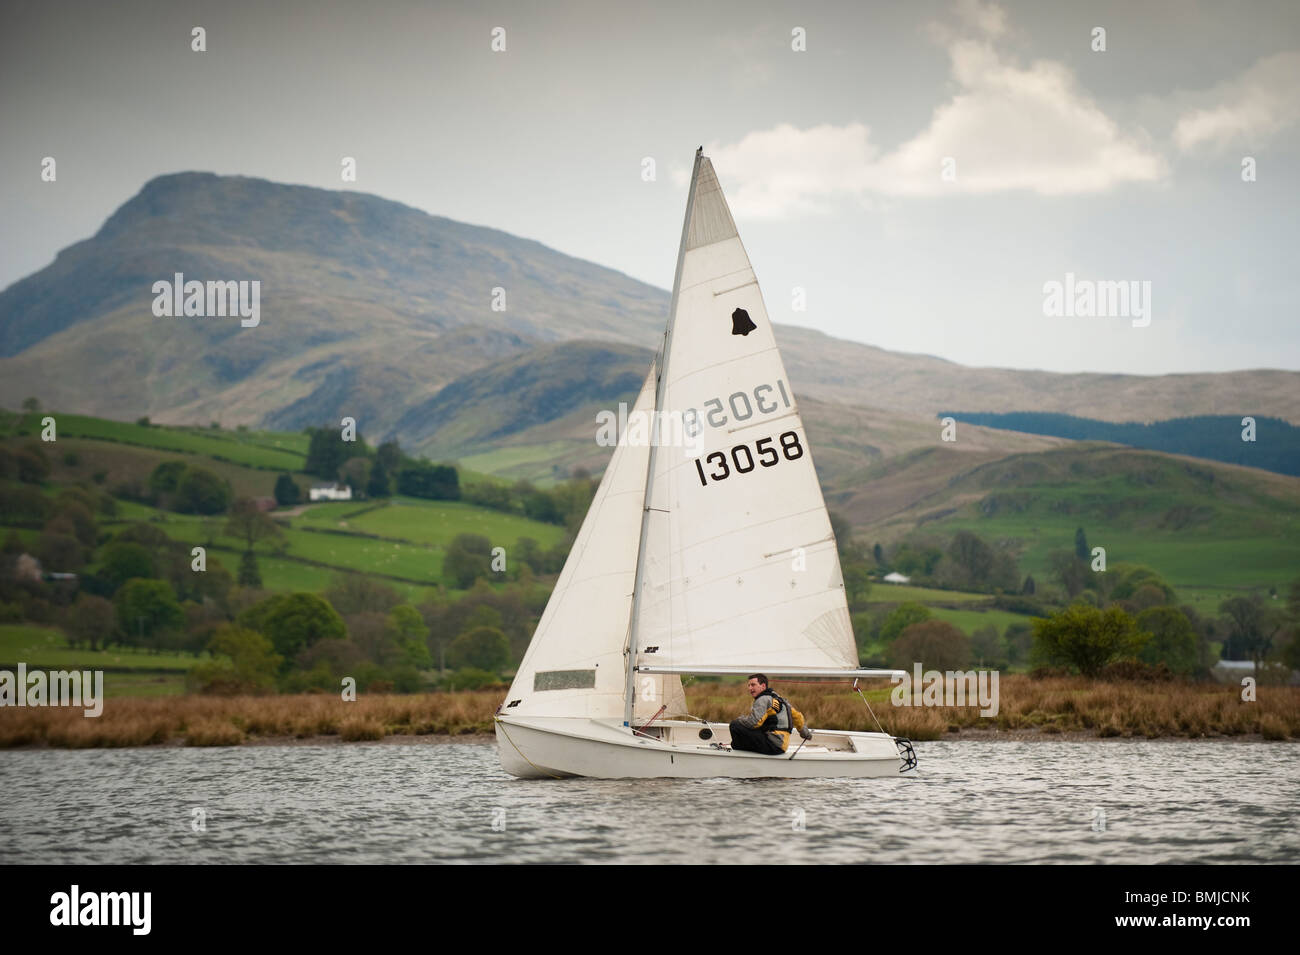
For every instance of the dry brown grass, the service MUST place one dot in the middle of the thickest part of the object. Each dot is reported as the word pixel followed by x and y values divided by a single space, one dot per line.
pixel 227 721
pixel 1052 706
pixel 1055 705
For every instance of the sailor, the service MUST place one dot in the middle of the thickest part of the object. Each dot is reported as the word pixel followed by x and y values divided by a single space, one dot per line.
pixel 767 727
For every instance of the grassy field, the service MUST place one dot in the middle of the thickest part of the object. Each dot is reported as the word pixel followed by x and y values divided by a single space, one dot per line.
pixel 532 462
pixel 47 647
pixel 256 449
pixel 128 672
pixel 968 621
pixel 432 523
pixel 899 593
pixel 427 526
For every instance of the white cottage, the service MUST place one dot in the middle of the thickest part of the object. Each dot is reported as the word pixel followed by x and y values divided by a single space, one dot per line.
pixel 331 492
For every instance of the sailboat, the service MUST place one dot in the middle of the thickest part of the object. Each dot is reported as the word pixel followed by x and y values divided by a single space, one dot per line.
pixel 707 551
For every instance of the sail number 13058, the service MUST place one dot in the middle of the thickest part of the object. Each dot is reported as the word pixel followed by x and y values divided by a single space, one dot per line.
pixel 740 459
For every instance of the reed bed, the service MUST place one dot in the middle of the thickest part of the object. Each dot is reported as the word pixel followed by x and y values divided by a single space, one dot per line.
pixel 229 721
pixel 1050 706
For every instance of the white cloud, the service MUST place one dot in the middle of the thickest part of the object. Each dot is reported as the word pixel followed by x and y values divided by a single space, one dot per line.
pixel 1006 128
pixel 786 170
pixel 1246 110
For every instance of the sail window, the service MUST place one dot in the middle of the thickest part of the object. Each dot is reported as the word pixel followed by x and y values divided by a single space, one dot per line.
pixel 564 680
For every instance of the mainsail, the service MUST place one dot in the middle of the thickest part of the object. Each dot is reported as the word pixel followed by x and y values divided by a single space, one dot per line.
pixel 740 565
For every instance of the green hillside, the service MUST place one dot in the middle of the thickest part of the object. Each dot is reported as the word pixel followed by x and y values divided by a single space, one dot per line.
pixel 255 449
pixel 1208 529
pixel 401 540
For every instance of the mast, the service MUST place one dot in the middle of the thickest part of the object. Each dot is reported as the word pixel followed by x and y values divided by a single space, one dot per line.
pixel 661 368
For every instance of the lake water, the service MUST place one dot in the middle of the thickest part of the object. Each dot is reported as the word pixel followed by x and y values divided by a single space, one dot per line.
pixel 1103 801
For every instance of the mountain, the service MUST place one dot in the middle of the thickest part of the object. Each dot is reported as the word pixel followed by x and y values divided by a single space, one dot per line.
pixel 378 311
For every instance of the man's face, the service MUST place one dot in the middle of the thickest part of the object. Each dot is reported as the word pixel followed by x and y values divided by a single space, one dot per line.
pixel 755 687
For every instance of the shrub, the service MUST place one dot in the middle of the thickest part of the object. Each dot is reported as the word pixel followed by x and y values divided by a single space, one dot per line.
pixel 471 679
pixel 935 644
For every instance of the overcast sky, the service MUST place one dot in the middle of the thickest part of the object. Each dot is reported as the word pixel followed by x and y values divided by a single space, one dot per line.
pixel 1122 165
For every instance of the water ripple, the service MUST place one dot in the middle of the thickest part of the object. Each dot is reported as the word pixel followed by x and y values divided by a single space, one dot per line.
pixel 1041 802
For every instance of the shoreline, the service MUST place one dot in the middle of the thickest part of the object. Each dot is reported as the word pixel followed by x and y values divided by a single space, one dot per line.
pixel 968 735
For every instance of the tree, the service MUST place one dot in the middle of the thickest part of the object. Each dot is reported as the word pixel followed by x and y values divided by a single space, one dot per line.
pixel 971 564
pixel 32 405
pixel 902 617
pixel 287 492
pixel 389 456
pixel 250 575
pixel 293 622
pixel 249 666
pixel 1130 578
pixel 147 610
pixel 60 553
pixel 356 472
pixel 1081 550
pixel 843 531
pixel 935 644
pixel 482 648
pixel 1018 638
pixel 915 558
pixel 1172 639
pixel 167 476
pixel 1252 627
pixel 356 593
pixel 327 451
pixel 468 557
pixel 250 524
pixel 986 647
pixel 857 582
pixel 90 621
pixel 201 492
pixel 378 485
pixel 1028 587
pixel 529 553
pixel 438 482
pixel 409 632
pixel 73 517
pixel 878 554
pixel 1086 637
pixel 32 465
pixel 22 505
pixel 1071 572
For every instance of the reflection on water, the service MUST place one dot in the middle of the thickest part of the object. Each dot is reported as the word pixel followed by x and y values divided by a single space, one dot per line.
pixel 1111 801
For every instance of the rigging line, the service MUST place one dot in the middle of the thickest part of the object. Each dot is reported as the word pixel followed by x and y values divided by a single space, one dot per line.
pixel 869 709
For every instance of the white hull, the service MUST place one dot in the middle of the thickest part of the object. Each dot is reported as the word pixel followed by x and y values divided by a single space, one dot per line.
pixel 559 747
